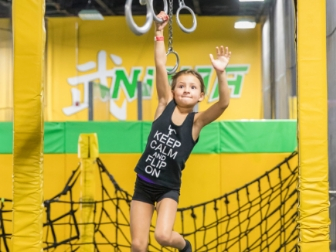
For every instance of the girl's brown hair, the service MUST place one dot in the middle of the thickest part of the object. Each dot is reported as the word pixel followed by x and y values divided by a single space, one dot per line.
pixel 187 71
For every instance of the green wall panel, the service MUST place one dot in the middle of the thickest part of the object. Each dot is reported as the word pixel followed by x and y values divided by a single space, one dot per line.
pixel 118 137
pixel 262 136
pixel 146 127
pixel 209 139
pixel 269 136
pixel 6 137
pixel 54 140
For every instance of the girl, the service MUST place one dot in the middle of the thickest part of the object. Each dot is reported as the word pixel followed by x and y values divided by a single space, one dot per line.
pixel 173 135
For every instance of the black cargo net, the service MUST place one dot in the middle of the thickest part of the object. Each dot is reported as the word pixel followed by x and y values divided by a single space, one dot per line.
pixel 259 216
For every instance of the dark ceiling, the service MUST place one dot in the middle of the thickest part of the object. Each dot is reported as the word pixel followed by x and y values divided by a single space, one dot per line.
pixel 68 8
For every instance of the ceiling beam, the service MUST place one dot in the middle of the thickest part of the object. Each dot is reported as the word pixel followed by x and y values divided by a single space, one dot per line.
pixel 197 7
pixel 105 7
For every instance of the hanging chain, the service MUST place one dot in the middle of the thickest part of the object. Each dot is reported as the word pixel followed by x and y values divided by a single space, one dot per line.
pixel 170 29
pixel 170 42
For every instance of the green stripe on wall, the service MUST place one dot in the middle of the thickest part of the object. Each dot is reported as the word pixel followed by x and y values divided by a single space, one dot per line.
pixel 6 137
pixel 262 136
pixel 54 140
pixel 113 137
pixel 258 136
pixel 209 139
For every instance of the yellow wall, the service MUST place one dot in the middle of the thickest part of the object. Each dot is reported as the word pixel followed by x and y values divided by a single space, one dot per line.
pixel 220 173
pixel 81 51
pixel 74 46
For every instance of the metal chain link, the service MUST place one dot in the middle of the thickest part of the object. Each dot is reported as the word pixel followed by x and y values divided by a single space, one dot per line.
pixel 170 23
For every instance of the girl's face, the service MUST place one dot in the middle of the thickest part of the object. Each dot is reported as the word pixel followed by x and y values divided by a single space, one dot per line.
pixel 187 90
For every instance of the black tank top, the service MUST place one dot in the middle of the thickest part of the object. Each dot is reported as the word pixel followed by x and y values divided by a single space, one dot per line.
pixel 168 148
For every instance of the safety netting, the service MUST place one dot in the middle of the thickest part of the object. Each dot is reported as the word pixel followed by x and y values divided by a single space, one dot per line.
pixel 259 216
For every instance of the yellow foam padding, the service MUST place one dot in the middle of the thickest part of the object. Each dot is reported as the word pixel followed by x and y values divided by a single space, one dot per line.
pixel 312 127
pixel 29 44
pixel 88 153
pixel 6 164
pixel 206 177
pixel 292 104
pixel 88 146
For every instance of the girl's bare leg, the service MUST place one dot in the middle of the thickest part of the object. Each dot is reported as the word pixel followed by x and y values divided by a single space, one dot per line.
pixel 140 220
pixel 164 234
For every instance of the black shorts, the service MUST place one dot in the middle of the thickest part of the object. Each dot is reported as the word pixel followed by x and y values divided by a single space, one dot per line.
pixel 151 193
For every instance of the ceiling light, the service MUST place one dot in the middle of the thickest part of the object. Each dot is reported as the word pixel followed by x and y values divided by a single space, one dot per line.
pixel 251 0
pixel 243 24
pixel 90 13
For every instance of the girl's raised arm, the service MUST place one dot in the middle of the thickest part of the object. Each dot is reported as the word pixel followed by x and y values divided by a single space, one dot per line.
pixel 162 86
pixel 213 112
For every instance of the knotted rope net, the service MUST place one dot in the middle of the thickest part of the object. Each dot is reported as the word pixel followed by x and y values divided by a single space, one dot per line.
pixel 259 216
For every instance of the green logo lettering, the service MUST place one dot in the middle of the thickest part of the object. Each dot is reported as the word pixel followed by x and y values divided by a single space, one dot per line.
pixel 147 84
pixel 235 82
pixel 128 84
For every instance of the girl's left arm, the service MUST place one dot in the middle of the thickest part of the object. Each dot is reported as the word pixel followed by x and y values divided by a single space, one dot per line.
pixel 215 111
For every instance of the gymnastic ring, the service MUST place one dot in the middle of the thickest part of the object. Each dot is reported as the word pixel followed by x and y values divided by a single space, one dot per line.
pixel 165 9
pixel 132 25
pixel 179 22
pixel 172 71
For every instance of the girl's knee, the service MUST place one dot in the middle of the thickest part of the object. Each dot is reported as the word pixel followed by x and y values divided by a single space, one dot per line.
pixel 139 246
pixel 163 238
